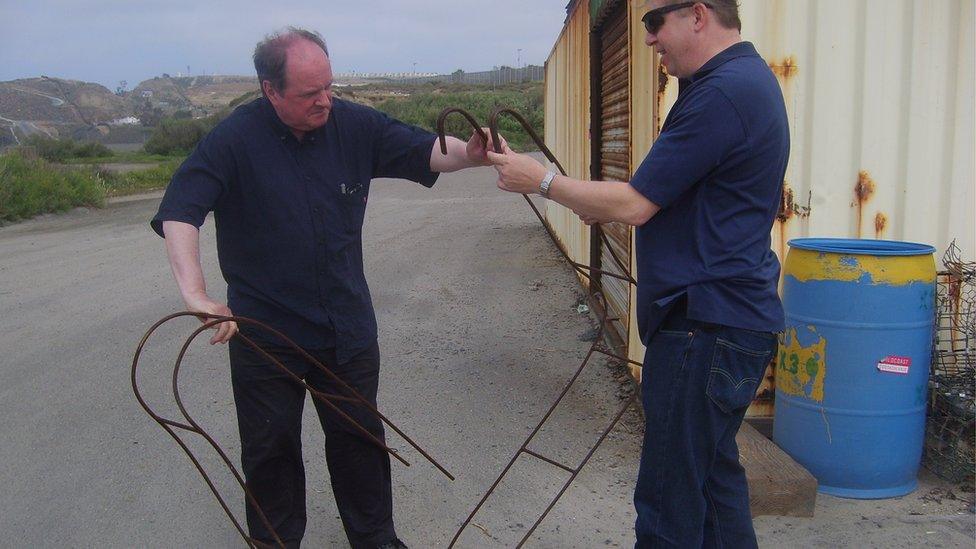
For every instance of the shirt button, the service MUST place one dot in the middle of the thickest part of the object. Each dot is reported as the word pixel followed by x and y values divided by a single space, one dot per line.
pixel 308 178
pixel 315 210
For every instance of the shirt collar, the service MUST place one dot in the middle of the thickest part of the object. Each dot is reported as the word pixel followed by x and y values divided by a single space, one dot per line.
pixel 281 130
pixel 739 49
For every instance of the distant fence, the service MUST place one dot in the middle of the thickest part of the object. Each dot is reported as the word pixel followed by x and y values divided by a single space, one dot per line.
pixel 504 75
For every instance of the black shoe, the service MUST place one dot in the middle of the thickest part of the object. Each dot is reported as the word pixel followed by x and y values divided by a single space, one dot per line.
pixel 392 544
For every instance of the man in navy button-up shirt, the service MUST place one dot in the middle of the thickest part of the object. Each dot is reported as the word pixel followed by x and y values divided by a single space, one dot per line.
pixel 287 177
pixel 703 201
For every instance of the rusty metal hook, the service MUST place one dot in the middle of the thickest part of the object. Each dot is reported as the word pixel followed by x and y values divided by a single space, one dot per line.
pixel 539 142
pixel 442 136
pixel 170 426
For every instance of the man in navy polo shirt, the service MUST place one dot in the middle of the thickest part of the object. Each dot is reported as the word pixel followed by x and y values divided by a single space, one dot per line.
pixel 287 177
pixel 704 200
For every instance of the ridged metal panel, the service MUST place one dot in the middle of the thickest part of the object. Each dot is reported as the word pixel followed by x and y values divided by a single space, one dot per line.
pixel 567 123
pixel 615 155
pixel 880 95
pixel 643 101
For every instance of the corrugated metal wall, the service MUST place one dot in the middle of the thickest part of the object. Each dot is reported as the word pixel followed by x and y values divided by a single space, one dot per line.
pixel 615 124
pixel 880 95
pixel 567 123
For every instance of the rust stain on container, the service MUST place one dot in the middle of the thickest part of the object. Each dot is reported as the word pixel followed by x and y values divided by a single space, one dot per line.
pixel 662 86
pixel 786 68
pixel 662 81
pixel 880 224
pixel 863 190
pixel 788 208
pixel 763 405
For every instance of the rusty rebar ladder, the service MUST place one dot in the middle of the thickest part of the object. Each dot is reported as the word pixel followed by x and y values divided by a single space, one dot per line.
pixel 583 270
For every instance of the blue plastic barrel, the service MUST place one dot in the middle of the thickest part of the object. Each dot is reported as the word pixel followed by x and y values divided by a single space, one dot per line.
pixel 853 364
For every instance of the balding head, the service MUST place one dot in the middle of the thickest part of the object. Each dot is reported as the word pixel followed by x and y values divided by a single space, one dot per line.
pixel 270 55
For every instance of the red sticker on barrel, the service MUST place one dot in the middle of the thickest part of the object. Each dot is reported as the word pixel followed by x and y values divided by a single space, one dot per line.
pixel 895 364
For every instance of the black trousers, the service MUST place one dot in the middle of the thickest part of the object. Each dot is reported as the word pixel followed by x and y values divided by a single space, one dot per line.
pixel 269 414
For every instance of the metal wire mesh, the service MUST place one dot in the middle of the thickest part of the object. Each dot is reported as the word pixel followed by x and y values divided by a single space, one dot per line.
pixel 949 436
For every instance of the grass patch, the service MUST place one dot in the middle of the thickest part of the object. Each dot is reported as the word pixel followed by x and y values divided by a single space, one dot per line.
pixel 138 181
pixel 130 157
pixel 32 186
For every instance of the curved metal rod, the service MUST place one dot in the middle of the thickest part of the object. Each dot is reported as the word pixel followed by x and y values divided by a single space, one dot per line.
pixel 192 426
pixel 539 142
pixel 242 320
pixel 168 426
pixel 580 268
pixel 342 384
pixel 442 136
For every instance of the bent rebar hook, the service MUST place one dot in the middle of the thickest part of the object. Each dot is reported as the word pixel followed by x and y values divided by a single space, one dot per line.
pixel 442 136
pixel 171 426
pixel 583 269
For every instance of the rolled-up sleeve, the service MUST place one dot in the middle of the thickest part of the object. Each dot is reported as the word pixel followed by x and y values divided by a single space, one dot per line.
pixel 690 146
pixel 197 185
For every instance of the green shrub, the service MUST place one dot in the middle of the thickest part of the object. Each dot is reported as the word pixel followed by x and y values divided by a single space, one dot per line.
pixel 90 149
pixel 180 136
pixel 59 150
pixel 32 186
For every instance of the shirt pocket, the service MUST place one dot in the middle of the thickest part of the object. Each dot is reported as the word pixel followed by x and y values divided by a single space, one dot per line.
pixel 738 365
pixel 352 202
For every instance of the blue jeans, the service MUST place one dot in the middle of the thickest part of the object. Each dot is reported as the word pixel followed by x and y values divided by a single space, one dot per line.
pixel 698 379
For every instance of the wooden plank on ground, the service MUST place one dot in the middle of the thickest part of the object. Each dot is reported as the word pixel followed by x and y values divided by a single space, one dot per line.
pixel 778 485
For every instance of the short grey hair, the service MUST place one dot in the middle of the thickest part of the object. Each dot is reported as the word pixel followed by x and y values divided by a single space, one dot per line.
pixel 726 11
pixel 271 54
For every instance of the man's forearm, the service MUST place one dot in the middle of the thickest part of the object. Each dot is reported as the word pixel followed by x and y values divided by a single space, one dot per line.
pixel 600 201
pixel 183 249
pixel 603 200
pixel 455 159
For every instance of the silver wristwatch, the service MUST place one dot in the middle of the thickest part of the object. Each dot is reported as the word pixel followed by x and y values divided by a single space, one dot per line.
pixel 546 181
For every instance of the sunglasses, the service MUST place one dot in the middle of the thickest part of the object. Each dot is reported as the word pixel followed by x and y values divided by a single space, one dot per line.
pixel 654 19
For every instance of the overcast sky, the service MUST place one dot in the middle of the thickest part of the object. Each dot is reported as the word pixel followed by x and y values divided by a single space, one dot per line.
pixel 106 41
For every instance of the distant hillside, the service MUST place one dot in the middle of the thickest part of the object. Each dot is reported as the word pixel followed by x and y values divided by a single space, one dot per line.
pixel 83 110
pixel 201 94
pixel 90 112
pixel 56 107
